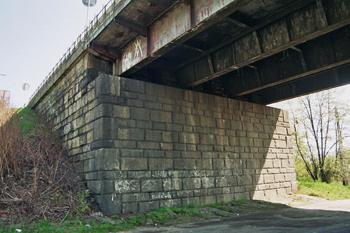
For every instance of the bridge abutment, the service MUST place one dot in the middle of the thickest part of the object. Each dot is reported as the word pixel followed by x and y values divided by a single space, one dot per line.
pixel 140 146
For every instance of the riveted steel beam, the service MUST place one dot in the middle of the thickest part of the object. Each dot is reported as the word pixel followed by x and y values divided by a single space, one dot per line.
pixel 313 83
pixel 268 21
pixel 287 32
pixel 311 58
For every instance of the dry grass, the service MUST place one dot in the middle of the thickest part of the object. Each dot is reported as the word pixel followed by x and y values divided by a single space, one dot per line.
pixel 37 180
pixel 10 143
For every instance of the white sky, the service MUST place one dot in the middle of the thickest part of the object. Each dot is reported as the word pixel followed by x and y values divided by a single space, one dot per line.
pixel 34 35
pixel 343 93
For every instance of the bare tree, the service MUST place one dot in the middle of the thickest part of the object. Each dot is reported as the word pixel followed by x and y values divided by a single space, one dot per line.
pixel 341 153
pixel 315 122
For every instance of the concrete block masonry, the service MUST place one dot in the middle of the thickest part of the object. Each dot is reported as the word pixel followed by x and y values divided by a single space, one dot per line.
pixel 141 146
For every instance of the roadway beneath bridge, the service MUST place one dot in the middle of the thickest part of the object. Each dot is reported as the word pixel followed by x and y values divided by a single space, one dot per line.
pixel 323 216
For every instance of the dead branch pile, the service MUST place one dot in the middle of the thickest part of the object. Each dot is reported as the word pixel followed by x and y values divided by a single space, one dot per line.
pixel 36 178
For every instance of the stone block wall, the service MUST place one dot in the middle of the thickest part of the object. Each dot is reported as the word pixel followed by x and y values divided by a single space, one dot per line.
pixel 141 146
pixel 70 102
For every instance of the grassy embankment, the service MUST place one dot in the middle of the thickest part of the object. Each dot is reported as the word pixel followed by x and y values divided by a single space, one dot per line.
pixel 332 191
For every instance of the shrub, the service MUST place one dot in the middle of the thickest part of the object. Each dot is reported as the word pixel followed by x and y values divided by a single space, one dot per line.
pixel 37 179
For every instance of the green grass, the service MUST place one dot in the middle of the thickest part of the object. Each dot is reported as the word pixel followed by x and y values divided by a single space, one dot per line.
pixel 116 223
pixel 333 191
pixel 28 120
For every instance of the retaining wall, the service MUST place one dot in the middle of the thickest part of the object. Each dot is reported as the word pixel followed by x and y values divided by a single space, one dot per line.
pixel 141 146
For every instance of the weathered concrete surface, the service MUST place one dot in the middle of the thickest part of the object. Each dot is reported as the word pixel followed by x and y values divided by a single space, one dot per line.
pixel 325 216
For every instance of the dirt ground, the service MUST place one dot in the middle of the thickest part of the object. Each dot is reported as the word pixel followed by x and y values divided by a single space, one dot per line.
pixel 299 213
pixel 295 200
pixel 309 202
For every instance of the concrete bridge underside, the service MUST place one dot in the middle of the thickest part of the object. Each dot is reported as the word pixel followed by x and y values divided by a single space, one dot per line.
pixel 261 51
pixel 162 102
pixel 258 51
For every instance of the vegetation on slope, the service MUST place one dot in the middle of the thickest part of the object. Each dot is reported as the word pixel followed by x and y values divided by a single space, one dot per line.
pixel 36 179
pixel 332 191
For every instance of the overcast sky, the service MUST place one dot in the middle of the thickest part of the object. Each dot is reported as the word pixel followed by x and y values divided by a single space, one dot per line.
pixel 34 35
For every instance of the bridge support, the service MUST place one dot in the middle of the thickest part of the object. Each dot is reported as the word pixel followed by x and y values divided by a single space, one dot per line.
pixel 141 146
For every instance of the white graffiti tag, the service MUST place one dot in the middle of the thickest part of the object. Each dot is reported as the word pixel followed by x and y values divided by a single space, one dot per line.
pixel 138 48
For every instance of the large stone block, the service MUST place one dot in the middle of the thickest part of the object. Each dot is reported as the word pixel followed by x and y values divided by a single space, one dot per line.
pixel 192 120
pixel 148 145
pixel 207 139
pixel 208 199
pixel 279 178
pixel 131 153
pixel 154 153
pixel 94 186
pixel 140 114
pixel 153 135
pixel 127 186
pixel 160 164
pixel 107 159
pixel 110 203
pixel 159 174
pixel 170 136
pixel 133 85
pixel 161 196
pixel 129 208
pixel 189 138
pixel 204 164
pixel 160 116
pixel 184 164
pixel 191 183
pixel 156 90
pixel 134 164
pixel 104 128
pixel 139 174
pixel 222 140
pixel 207 121
pixel 131 134
pixel 170 184
pixel 151 185
pixel 135 197
pixel 170 203
pixel 208 182
pixel 107 85
pixel 148 206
